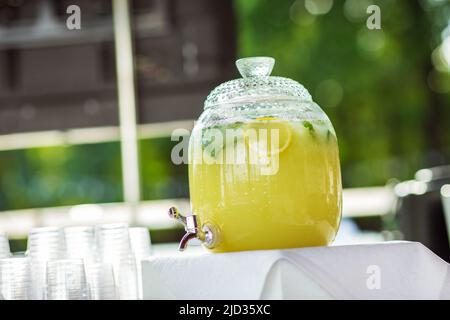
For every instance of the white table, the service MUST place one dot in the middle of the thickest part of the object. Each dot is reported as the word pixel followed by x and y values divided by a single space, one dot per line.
pixel 389 270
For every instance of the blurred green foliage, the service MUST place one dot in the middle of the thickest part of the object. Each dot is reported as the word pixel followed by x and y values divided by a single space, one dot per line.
pixel 160 177
pixel 63 175
pixel 375 85
pixel 68 175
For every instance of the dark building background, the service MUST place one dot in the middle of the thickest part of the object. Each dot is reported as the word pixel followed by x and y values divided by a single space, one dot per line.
pixel 54 78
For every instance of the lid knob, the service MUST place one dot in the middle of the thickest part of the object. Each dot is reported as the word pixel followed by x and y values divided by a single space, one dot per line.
pixel 255 66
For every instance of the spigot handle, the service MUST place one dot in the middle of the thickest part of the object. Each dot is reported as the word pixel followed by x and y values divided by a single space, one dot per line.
pixel 206 234
pixel 174 213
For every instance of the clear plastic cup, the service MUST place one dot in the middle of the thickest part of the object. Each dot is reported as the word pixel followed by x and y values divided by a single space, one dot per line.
pixel 15 281
pixel 141 247
pixel 44 244
pixel 80 243
pixel 113 245
pixel 140 242
pixel 5 251
pixel 66 280
pixel 102 283
pixel 113 241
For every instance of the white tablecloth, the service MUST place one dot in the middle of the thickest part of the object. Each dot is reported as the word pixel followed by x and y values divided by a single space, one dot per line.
pixel 388 270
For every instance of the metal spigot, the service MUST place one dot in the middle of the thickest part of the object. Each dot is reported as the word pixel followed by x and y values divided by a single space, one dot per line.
pixel 207 234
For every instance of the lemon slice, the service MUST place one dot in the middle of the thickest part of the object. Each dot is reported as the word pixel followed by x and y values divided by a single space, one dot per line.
pixel 254 137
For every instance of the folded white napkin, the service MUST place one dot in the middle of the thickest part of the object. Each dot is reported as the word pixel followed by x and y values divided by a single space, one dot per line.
pixel 389 270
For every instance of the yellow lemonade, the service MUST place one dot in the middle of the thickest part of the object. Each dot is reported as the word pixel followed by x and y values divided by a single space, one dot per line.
pixel 296 203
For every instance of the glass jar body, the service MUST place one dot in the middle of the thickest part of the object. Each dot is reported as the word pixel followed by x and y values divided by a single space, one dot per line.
pixel 271 181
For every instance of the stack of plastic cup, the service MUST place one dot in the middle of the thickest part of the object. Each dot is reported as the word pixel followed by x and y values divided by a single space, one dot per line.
pixel 66 280
pixel 76 263
pixel 4 246
pixel 141 246
pixel 80 244
pixel 113 245
pixel 15 281
pixel 102 284
pixel 44 244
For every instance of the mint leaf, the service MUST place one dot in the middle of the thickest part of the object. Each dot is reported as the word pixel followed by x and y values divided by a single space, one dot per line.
pixel 218 146
pixel 308 125
pixel 210 140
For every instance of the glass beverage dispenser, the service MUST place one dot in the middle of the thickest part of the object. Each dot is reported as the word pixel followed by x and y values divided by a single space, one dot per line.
pixel 264 167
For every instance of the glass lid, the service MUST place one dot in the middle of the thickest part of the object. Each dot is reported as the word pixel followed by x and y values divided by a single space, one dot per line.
pixel 256 84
